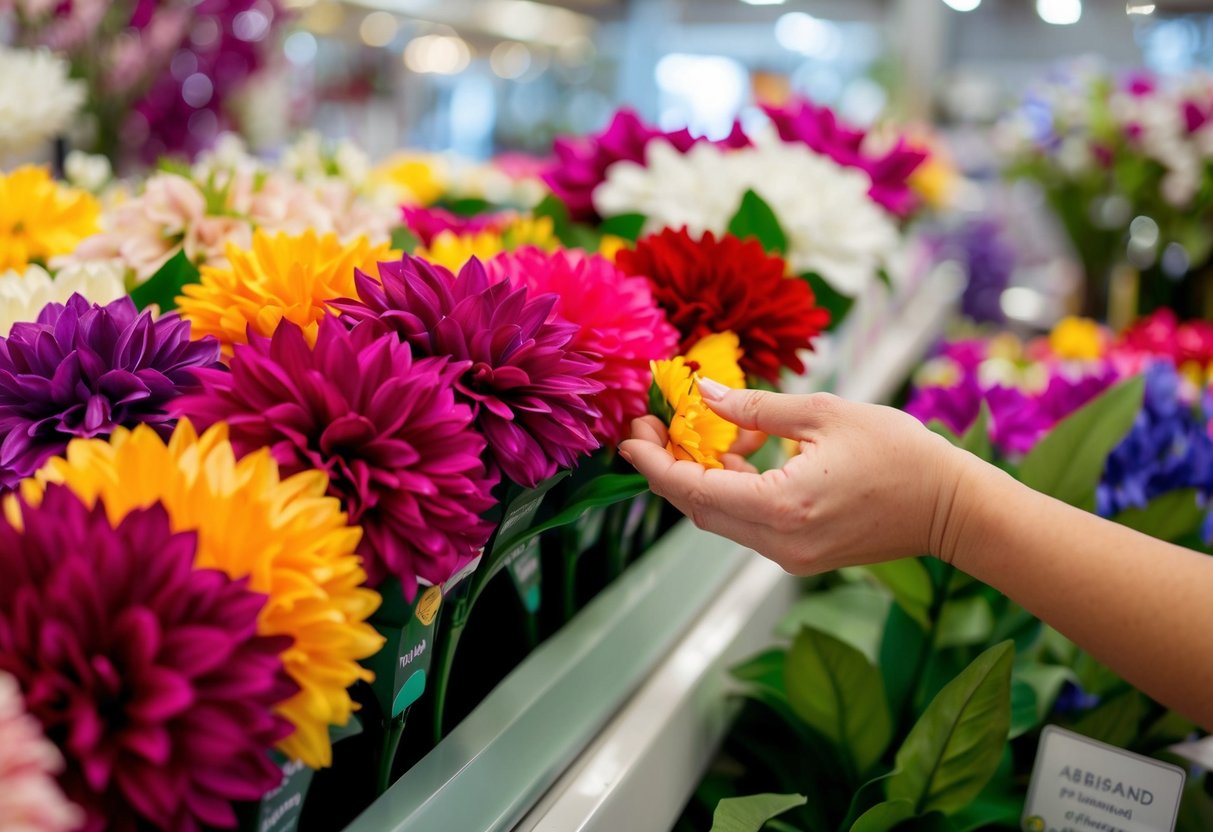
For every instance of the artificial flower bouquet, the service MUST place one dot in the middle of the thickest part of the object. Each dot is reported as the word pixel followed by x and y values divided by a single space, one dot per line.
pixel 907 692
pixel 262 468
pixel 1125 164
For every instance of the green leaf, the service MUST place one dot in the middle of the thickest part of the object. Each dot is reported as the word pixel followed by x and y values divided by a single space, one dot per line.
pixel 954 748
pixel 840 694
pixel 627 226
pixel 1046 681
pixel 748 814
pixel 829 299
pixel 1116 721
pixel 466 206
pixel 1169 517
pixel 854 613
pixel 1024 713
pixel 884 816
pixel 1069 461
pixel 603 490
pixel 163 288
pixel 977 438
pixel 964 622
pixel 404 240
pixel 905 643
pixel 910 584
pixel 756 219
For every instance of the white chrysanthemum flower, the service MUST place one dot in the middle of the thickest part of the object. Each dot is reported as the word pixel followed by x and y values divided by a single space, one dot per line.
pixel 87 171
pixel 37 99
pixel 23 295
pixel 832 226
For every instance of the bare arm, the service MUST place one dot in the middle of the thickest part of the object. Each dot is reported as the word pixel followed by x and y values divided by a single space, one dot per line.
pixel 872 484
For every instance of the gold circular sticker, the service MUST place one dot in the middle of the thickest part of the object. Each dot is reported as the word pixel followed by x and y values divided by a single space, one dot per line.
pixel 428 604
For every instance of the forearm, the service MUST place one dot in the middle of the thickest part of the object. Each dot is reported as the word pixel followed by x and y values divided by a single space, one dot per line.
pixel 1139 605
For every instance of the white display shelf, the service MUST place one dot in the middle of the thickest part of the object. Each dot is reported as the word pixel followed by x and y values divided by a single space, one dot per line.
pixel 643 766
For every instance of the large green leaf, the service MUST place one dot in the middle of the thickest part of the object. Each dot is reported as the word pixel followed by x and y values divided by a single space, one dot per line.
pixel 910 584
pixel 748 814
pixel 603 490
pixel 977 438
pixel 840 694
pixel 166 284
pixel 1023 709
pixel 954 748
pixel 884 816
pixel 1170 517
pixel 627 226
pixel 902 647
pixel 754 218
pixel 964 622
pixel 1116 721
pixel 1069 461
pixel 829 299
pixel 854 613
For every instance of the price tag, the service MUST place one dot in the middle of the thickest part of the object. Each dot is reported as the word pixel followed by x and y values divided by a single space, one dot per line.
pixel 413 651
pixel 1081 785
pixel 280 810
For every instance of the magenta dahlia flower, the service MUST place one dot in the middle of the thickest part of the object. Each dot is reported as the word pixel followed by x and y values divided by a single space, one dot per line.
pixel 428 223
pixel 531 392
pixel 620 324
pixel 820 129
pixel 83 370
pixel 399 450
pixel 581 163
pixel 146 672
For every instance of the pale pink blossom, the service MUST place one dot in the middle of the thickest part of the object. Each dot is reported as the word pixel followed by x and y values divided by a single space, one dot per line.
pixel 30 799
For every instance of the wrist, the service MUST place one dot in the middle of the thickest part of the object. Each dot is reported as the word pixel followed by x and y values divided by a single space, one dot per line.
pixel 956 519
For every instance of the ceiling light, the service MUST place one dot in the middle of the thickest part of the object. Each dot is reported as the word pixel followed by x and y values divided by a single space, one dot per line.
pixel 962 5
pixel 1139 8
pixel 764 2
pixel 1059 12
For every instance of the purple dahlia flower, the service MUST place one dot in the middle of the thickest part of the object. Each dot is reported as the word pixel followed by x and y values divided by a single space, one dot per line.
pixel 581 163
pixel 385 427
pixel 146 672
pixel 83 370
pixel 531 393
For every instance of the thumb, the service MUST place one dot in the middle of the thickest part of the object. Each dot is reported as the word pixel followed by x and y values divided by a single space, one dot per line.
pixel 792 417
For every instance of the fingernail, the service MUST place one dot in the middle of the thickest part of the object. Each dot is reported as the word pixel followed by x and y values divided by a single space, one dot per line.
pixel 623 453
pixel 711 389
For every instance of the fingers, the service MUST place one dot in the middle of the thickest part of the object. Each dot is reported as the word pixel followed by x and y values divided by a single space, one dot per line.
pixel 698 491
pixel 748 441
pixel 737 462
pixel 650 429
pixel 780 414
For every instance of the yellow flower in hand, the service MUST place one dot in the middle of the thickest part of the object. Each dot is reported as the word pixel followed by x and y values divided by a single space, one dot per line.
pixel 695 431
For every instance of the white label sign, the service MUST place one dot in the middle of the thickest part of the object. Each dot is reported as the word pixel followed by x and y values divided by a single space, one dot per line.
pixel 1080 785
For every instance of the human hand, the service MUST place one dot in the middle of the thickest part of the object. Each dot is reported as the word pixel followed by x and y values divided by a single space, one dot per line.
pixel 870 483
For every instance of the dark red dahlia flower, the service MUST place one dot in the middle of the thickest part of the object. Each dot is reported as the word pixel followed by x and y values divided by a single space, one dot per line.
pixel 532 394
pixel 84 369
pixel 716 284
pixel 399 450
pixel 146 672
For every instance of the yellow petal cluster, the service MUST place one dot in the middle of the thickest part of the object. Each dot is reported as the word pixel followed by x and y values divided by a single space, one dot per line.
pixel 695 431
pixel 452 251
pixel 285 535
pixel 413 179
pixel 41 218
pixel 282 276
pixel 1078 339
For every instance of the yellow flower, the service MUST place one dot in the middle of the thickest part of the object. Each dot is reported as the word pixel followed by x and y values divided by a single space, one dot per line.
pixel 292 277
pixel 415 179
pixel 610 245
pixel 696 432
pixel 40 218
pixel 1077 339
pixel 936 181
pixel 290 539
pixel 452 250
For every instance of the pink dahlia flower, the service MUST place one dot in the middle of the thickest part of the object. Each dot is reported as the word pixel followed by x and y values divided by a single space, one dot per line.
pixel 385 427
pixel 620 324
pixel 148 673
pixel 531 391
pixel 30 799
